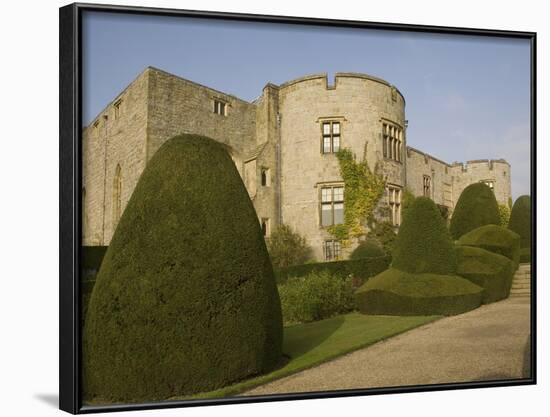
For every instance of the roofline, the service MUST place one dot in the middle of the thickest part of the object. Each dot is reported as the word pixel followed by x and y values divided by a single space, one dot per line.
pixel 151 68
pixel 410 148
pixel 456 164
pixel 324 75
pixel 117 97
pixel 198 85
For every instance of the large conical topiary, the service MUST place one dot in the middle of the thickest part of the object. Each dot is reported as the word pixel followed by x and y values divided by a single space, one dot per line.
pixel 476 206
pixel 520 220
pixel 185 300
pixel 423 243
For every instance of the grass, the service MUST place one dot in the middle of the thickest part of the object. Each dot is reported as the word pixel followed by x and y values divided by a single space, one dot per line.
pixel 308 345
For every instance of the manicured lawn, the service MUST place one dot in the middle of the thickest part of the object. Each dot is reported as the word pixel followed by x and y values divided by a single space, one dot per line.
pixel 308 345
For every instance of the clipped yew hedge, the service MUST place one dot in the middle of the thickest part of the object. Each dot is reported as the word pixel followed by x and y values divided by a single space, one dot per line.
pixel 399 293
pixel 423 243
pixel 496 239
pixel 476 206
pixel 490 271
pixel 520 220
pixel 360 268
pixel 185 300
pixel 422 279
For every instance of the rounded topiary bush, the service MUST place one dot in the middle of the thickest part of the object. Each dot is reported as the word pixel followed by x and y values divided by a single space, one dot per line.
pixel 423 243
pixel 476 206
pixel 395 292
pixel 185 300
pixel 491 271
pixel 496 239
pixel 369 248
pixel 520 220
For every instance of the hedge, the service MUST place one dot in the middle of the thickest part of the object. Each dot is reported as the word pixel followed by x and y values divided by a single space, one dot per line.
pixel 491 271
pixel 399 293
pixel 520 220
pixel 369 248
pixel 476 206
pixel 495 239
pixel 317 296
pixel 92 256
pixel 360 268
pixel 423 243
pixel 185 300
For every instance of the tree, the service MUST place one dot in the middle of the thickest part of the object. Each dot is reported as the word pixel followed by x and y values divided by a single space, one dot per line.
pixel 288 248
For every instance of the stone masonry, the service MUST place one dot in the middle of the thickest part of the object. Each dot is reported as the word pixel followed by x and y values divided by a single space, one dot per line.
pixel 283 145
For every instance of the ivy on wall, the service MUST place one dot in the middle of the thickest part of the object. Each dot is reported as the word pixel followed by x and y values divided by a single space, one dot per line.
pixel 363 189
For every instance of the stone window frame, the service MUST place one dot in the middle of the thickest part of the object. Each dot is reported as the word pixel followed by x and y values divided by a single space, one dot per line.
pixel 220 106
pixel 392 144
pixel 265 226
pixel 265 177
pixel 339 120
pixel 332 202
pixel 427 186
pixel 395 201
pixel 332 250
pixel 489 183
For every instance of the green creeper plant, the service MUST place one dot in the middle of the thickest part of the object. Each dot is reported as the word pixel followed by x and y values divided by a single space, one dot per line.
pixel 363 189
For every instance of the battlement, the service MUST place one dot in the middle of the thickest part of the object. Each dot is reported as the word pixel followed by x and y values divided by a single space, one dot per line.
pixel 338 76
pixel 489 163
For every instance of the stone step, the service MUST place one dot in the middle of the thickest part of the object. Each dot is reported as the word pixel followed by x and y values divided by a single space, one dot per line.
pixel 520 295
pixel 521 287
pixel 520 292
pixel 522 279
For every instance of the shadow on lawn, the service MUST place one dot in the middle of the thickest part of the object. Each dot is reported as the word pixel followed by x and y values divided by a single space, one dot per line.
pixel 308 336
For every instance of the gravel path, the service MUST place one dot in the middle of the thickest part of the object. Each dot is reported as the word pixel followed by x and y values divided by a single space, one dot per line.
pixel 485 344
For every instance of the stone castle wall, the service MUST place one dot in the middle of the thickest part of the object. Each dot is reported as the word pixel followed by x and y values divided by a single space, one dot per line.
pixel 277 137
pixel 117 137
pixel 486 170
pixel 419 165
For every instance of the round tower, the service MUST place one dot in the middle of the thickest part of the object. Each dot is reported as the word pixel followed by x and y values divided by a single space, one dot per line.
pixel 358 112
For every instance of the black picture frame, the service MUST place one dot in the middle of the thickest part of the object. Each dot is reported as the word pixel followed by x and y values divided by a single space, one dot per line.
pixel 70 124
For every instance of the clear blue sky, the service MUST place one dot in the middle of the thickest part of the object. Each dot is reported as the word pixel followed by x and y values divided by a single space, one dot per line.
pixel 467 97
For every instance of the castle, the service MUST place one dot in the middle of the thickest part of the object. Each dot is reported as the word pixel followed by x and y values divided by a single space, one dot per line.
pixel 283 145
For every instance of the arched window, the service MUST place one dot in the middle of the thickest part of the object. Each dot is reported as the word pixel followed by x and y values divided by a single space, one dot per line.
pixel 117 195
